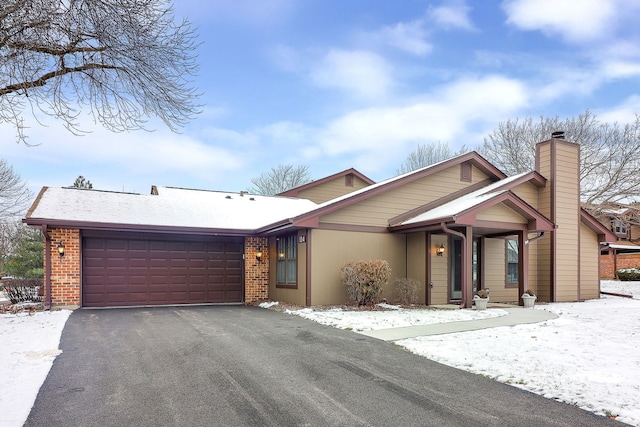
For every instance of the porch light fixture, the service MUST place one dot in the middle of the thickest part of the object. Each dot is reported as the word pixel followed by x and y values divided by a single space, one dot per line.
pixel 61 249
pixel 440 250
pixel 259 255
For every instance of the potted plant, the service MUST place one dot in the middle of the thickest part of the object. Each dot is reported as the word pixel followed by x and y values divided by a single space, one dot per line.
pixel 529 298
pixel 481 298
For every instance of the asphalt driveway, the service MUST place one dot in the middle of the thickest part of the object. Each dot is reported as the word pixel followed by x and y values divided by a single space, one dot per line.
pixel 246 366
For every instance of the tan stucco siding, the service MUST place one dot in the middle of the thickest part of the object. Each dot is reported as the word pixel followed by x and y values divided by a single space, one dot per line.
pixel 331 249
pixel 417 262
pixel 377 210
pixel 589 258
pixel 439 271
pixel 332 189
pixel 501 213
pixel 292 295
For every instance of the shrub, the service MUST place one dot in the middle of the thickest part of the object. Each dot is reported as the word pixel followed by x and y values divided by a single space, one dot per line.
pixel 407 290
pixel 364 280
pixel 23 290
pixel 628 274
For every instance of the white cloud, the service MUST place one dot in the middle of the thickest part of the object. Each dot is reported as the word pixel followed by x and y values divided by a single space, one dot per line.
pixel 361 73
pixel 455 15
pixel 576 21
pixel 623 113
pixel 376 135
pixel 410 37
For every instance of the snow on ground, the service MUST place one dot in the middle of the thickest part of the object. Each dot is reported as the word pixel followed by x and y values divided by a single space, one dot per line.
pixel 29 344
pixel 587 357
pixel 366 320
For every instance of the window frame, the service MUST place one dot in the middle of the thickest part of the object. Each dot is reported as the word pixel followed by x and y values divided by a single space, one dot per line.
pixel 509 264
pixel 287 261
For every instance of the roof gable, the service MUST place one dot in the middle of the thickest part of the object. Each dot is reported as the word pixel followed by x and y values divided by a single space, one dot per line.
pixel 311 218
pixel 295 192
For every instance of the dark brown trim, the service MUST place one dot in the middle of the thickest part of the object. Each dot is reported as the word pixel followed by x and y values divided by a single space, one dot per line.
pixel 507 283
pixel 47 267
pixel 352 227
pixel 143 228
pixel 295 191
pixel 34 204
pixel 428 270
pixel 597 227
pixel 466 172
pixel 439 202
pixel 537 221
pixel 308 273
pixel 382 187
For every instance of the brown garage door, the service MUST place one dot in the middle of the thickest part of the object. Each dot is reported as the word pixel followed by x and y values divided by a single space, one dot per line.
pixel 130 270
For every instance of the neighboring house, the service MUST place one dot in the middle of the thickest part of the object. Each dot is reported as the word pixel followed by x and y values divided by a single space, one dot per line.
pixel 624 221
pixel 455 226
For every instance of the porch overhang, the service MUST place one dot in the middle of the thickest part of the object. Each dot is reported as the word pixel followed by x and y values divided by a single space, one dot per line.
pixel 465 213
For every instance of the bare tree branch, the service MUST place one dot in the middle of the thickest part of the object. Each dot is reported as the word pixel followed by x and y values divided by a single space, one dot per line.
pixel 427 154
pixel 14 194
pixel 281 178
pixel 610 153
pixel 122 60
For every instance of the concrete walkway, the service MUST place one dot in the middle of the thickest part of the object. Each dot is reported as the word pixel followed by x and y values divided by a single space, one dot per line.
pixel 515 316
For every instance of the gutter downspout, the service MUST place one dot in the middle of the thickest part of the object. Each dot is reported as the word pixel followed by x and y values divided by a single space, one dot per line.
pixel 447 230
pixel 47 268
pixel 533 239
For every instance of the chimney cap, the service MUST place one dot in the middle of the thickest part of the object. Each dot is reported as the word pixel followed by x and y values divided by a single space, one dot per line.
pixel 558 134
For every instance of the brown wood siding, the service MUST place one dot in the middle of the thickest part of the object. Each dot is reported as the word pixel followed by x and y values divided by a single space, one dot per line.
pixel 134 271
pixel 567 218
pixel 376 211
pixel 332 189
pixel 589 258
pixel 544 246
pixel 495 272
pixel 439 270
pixel 501 213
pixel 527 192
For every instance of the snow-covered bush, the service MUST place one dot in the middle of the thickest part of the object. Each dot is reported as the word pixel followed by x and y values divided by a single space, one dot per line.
pixel 407 290
pixel 364 280
pixel 628 274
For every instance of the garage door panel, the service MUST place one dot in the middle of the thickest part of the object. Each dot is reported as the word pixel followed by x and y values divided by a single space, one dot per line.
pixel 136 271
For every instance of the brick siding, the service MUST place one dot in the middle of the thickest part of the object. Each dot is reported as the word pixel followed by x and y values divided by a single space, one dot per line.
pixel 65 271
pixel 256 273
pixel 623 261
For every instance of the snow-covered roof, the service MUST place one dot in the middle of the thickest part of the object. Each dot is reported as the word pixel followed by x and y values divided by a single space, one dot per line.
pixel 170 207
pixel 465 202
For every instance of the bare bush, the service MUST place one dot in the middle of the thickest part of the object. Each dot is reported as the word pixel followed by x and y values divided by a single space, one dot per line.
pixel 407 290
pixel 364 280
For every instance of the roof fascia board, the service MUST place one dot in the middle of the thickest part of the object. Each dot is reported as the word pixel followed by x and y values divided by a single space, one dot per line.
pixel 439 202
pixel 85 225
pixel 476 159
pixel 596 226
pixel 293 192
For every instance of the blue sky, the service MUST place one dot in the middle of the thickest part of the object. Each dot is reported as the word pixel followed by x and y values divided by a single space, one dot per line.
pixel 360 83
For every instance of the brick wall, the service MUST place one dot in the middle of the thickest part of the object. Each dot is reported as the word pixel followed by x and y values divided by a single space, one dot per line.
pixel 622 261
pixel 65 271
pixel 256 273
